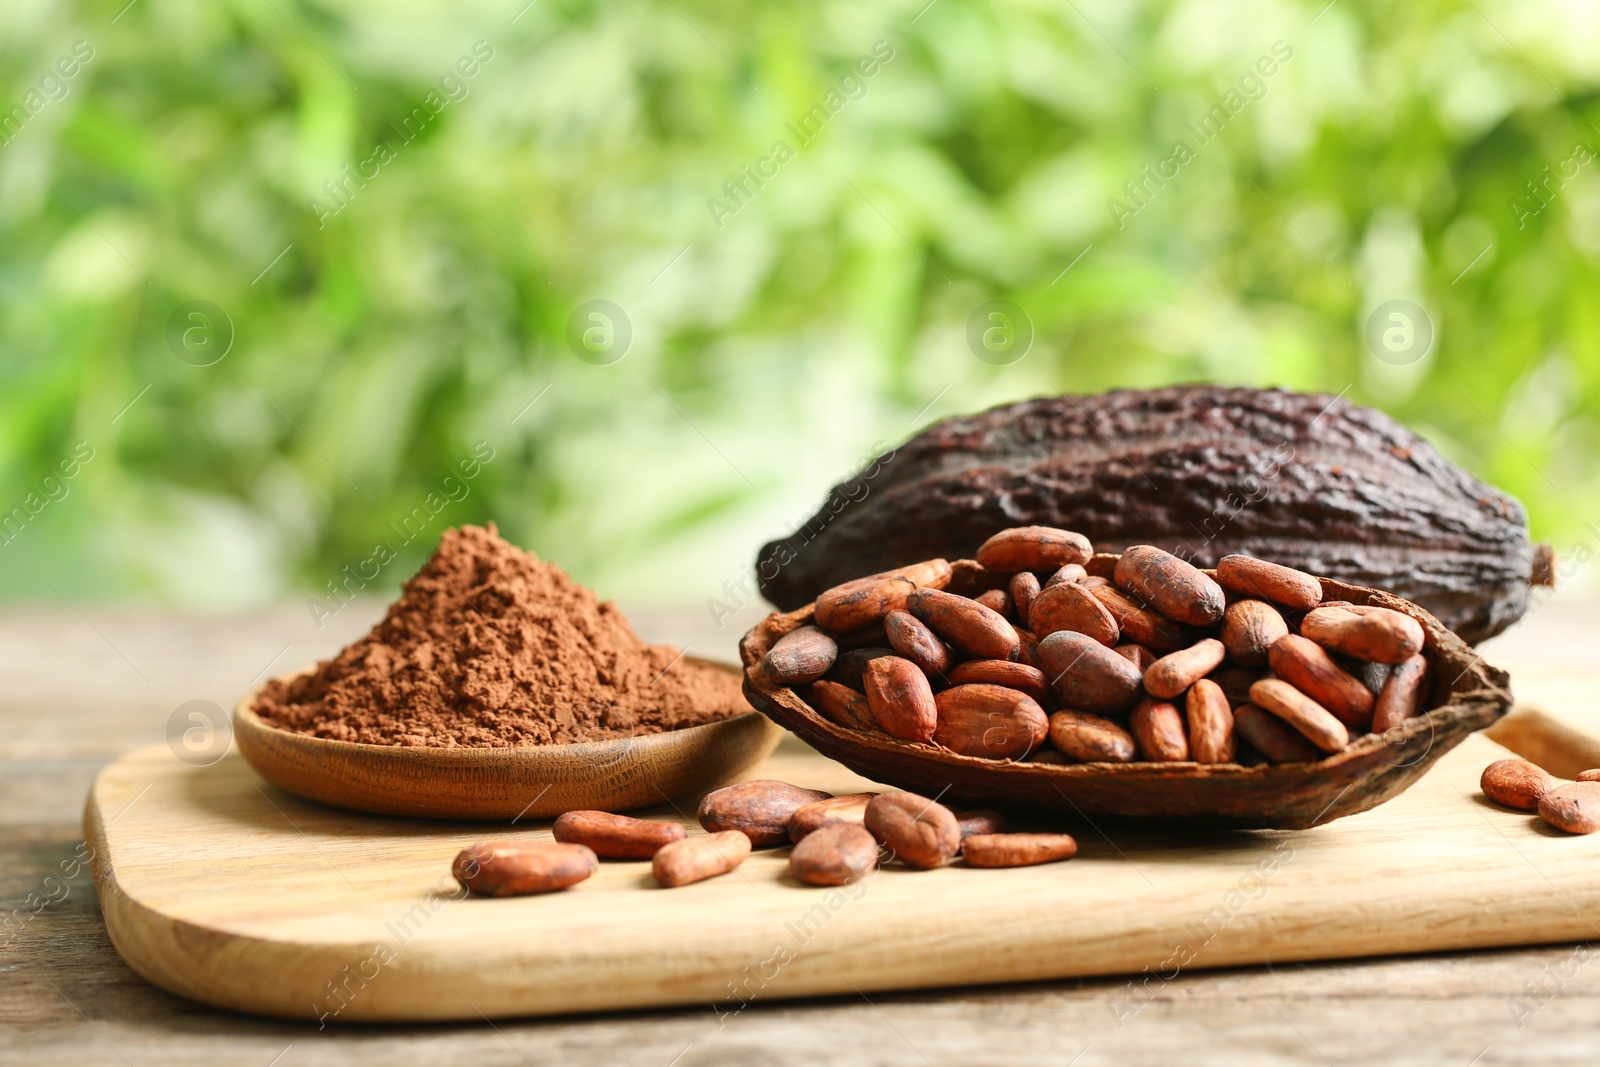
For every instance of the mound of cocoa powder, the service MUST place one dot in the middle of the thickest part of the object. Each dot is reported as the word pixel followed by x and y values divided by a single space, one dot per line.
pixel 490 647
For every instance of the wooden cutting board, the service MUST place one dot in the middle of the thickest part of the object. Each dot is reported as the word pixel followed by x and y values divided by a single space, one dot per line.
pixel 220 888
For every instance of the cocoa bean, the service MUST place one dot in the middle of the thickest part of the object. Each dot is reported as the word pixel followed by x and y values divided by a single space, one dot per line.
pixel 849 808
pixel 1017 850
pixel 1138 624
pixel 999 602
pixel 919 831
pixel 900 698
pixel 1159 732
pixel 856 604
pixel 1516 783
pixel 1248 629
pixel 759 809
pixel 1137 655
pixel 913 640
pixel 989 721
pixel 1319 725
pixel 1096 581
pixel 1304 665
pixel 1090 739
pixel 518 868
pixel 1236 683
pixel 1401 696
pixel 1210 724
pixel 1178 590
pixel 1247 576
pixel 694 859
pixel 1589 776
pixel 1033 548
pixel 1276 740
pixel 836 854
pixel 616 837
pixel 851 665
pixel 1072 572
pixel 1023 588
pixel 1375 634
pixel 967 624
pixel 1072 607
pixel 1018 676
pixel 1177 671
pixel 982 821
pixel 800 656
pixel 1027 647
pixel 1574 808
pixel 1086 675
pixel 843 706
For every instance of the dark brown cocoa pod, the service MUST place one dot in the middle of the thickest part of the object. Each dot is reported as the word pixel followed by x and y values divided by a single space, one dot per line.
pixel 836 854
pixel 1248 629
pixel 999 602
pixel 1172 586
pixel 759 809
pixel 1140 625
pixel 1018 676
pixel 1159 732
pixel 900 698
pixel 1304 665
pixel 1177 671
pixel 843 706
pixel 849 667
pixel 919 831
pixel 910 637
pixel 1024 586
pixel 1072 607
pixel 801 656
pixel 1272 737
pixel 1086 675
pixel 1312 481
pixel 966 624
pixel 1033 548
pixel 989 721
pixel 1091 739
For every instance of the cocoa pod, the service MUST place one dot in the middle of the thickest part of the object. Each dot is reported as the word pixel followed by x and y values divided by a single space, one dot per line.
pixel 1574 808
pixel 1071 573
pixel 1516 783
pixel 694 859
pixel 836 854
pixel 843 706
pixel 1158 732
pixel 856 604
pixel 982 821
pixel 1247 576
pixel 1027 647
pixel 1304 665
pixel 1235 683
pixel 518 868
pixel 800 656
pixel 1276 740
pixel 1086 675
pixel 919 831
pixel 1177 671
pixel 988 721
pixel 1589 776
pixel 1210 724
pixel 1072 607
pixel 615 837
pixel 1024 587
pixel 967 624
pixel 1033 548
pixel 1017 850
pixel 850 666
pixel 1090 739
pixel 1137 655
pixel 999 602
pixel 912 639
pixel 759 809
pixel 1248 629
pixel 1317 723
pixel 1173 587
pixel 1018 676
pixel 1402 694
pixel 848 808
pixel 1378 635
pixel 1137 624
pixel 900 698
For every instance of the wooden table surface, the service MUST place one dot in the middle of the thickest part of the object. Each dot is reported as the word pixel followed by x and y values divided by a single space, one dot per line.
pixel 79 689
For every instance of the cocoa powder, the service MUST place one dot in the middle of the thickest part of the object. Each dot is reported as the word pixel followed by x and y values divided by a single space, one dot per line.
pixel 490 647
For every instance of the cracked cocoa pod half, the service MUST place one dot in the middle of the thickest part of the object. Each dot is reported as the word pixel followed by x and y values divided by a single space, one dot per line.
pixel 1309 481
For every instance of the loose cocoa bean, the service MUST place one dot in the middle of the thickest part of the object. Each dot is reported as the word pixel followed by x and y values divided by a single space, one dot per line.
pixel 849 808
pixel 900 698
pixel 1177 671
pixel 1018 676
pixel 694 859
pixel 999 602
pixel 1516 783
pixel 800 656
pixel 1304 665
pixel 518 868
pixel 1236 683
pixel 1574 808
pixel 1033 548
pixel 967 624
pixel 989 721
pixel 1138 624
pixel 1210 724
pixel 843 706
pixel 982 821
pixel 919 831
pixel 913 640
pixel 1017 850
pixel 1023 588
pixel 1319 725
pixel 1137 655
pixel 836 854
pixel 1072 572
pixel 856 604
pixel 1158 732
pixel 616 837
pixel 1589 776
pixel 1401 696
pixel 759 809
pixel 1375 634
pixel 1176 589
pixel 1027 647
pixel 851 665
pixel 1086 675
pixel 1090 739
pixel 1072 607
pixel 1276 740
pixel 1248 629
pixel 1250 577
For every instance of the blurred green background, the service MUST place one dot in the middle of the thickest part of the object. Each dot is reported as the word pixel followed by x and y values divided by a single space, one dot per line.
pixel 391 211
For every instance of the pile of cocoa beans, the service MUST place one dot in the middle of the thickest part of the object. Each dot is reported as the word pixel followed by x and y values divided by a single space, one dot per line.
pixel 1160 662
pixel 1523 786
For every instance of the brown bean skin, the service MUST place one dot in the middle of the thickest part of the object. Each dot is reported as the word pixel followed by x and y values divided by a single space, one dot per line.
pixel 1137 655
pixel 1304 665
pixel 798 657
pixel 1250 577
pixel 1018 676
pixel 1158 731
pixel 1210 724
pixel 1177 671
pixel 967 624
pixel 1088 676
pixel 999 602
pixel 1248 629
pixel 913 640
pixel 842 706
pixel 519 868
pixel 900 698
pixel 1275 739
pixel 981 821
pixel 1175 588
pixel 857 604
pixel 836 854
pixel 759 809
pixel 1072 607
pixel 1024 587
pixel 1574 808
pixel 851 665
pixel 1138 624
pixel 694 859
pixel 851 808
pixel 1072 572
pixel 1096 581
pixel 1027 647
pixel 1378 635
pixel 1401 696
pixel 1091 739
pixel 921 832
pixel 1017 850
pixel 989 721
pixel 1589 776
pixel 616 837
pixel 1033 548
pixel 1236 683
pixel 1516 783
pixel 1319 725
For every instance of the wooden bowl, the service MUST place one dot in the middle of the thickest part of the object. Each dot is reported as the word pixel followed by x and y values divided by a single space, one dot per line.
pixel 1467 695
pixel 532 781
